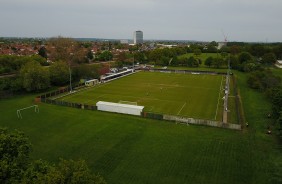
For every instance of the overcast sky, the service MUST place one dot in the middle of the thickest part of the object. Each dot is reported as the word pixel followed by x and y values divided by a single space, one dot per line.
pixel 205 20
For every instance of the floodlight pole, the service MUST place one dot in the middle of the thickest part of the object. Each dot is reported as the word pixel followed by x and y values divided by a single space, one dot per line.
pixel 133 62
pixel 70 79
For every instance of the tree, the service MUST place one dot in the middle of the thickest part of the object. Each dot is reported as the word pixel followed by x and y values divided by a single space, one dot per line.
pixel 139 57
pixel 269 58
pixel 42 52
pixel 155 55
pixel 192 62
pixel 265 81
pixel 249 66
pixel 257 50
pixel 217 62
pixel 61 48
pixel 67 50
pixel 209 61
pixel 164 61
pixel 213 43
pixel 77 172
pixel 90 55
pixel 174 61
pixel 234 62
pixel 245 57
pixel 59 73
pixel 86 71
pixel 211 48
pixel 278 51
pixel 279 122
pixel 121 56
pixel 276 98
pixel 197 52
pixel 235 49
pixel 34 77
pixel 67 171
pixel 105 56
pixel 14 155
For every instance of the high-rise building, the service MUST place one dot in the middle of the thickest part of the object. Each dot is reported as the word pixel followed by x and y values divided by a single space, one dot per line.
pixel 138 37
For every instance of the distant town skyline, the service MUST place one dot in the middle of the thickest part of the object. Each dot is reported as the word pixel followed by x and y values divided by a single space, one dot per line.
pixel 202 20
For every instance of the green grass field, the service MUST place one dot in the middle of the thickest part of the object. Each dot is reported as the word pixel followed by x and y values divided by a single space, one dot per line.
pixel 203 56
pixel 197 96
pixel 128 149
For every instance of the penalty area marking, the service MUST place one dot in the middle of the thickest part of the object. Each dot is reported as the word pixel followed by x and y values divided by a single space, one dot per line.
pixel 181 108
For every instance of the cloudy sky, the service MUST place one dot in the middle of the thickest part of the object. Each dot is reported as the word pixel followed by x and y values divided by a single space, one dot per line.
pixel 240 20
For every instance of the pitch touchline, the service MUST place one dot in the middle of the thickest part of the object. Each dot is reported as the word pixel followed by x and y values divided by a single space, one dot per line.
pixel 181 108
pixel 218 98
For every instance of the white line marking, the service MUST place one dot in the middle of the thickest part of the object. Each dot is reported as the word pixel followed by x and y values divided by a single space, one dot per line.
pixel 181 108
pixel 218 98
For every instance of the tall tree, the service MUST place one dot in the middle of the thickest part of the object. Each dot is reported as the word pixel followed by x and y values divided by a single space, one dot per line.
pixel 245 57
pixel 34 76
pixel 209 61
pixel 67 50
pixel 90 55
pixel 269 58
pixel 42 52
pixel 61 48
pixel 59 73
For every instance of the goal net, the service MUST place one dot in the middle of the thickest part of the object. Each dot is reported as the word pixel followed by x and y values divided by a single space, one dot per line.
pixel 127 102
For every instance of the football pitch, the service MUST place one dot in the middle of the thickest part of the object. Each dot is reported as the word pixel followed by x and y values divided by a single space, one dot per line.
pixel 189 95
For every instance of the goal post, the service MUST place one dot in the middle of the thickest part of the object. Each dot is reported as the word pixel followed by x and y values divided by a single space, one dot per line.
pixel 19 114
pixel 127 102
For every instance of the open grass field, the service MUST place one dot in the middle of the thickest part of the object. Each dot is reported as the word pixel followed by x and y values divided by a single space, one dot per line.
pixel 197 96
pixel 127 149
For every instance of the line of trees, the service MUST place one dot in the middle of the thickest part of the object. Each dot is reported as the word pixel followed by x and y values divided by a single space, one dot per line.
pixel 12 64
pixel 265 81
pixel 34 77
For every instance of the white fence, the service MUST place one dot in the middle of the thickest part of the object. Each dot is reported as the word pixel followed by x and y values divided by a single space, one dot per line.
pixel 201 122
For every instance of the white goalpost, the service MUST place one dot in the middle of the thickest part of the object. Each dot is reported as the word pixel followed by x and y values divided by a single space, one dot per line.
pixel 36 109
